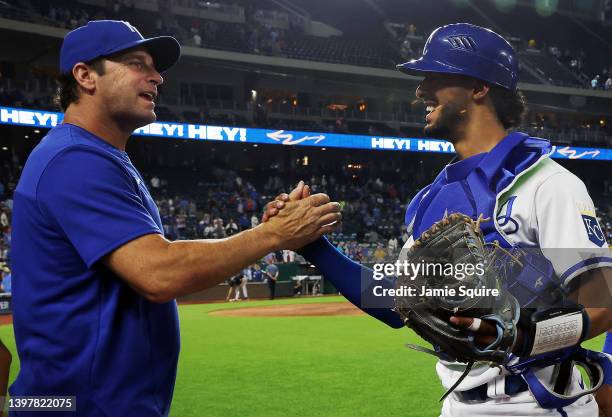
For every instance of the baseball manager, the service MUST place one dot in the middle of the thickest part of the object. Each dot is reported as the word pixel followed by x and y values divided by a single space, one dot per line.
pixel 95 279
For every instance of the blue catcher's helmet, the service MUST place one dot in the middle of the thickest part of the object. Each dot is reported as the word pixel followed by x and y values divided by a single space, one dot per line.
pixel 465 49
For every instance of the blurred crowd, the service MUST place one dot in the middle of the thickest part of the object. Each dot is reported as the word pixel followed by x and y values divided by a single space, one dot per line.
pixel 9 176
pixel 602 81
pixel 266 28
pixel 372 229
pixel 370 232
pixel 263 28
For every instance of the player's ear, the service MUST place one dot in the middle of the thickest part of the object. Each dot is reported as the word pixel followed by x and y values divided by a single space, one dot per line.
pixel 481 90
pixel 85 77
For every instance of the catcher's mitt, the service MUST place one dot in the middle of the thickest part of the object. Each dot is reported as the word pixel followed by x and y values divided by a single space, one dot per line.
pixel 444 286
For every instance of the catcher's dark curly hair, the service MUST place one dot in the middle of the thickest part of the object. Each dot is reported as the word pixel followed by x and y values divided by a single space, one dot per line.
pixel 67 91
pixel 510 106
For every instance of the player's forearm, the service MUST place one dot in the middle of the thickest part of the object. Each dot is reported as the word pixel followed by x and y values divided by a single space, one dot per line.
pixel 194 265
pixel 348 277
pixel 600 321
pixel 594 292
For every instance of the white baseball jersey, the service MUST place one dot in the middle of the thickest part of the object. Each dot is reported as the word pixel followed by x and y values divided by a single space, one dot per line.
pixel 548 207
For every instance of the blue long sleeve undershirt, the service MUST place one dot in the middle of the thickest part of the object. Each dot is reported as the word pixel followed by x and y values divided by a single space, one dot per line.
pixel 350 278
pixel 608 344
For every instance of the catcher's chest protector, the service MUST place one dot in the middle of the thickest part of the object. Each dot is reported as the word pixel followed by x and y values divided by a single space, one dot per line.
pixel 472 187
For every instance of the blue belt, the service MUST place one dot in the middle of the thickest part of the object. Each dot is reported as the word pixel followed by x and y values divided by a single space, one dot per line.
pixel 513 385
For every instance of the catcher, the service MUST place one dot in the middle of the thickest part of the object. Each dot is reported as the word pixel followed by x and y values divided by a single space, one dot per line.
pixel 503 191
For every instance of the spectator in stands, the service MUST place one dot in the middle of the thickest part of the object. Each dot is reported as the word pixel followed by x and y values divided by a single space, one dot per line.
pixel 218 231
pixel 5 278
pixel 288 256
pixel 7 237
pixel 181 225
pixel 554 51
pixel 254 220
pixel 155 182
pixel 257 273
pixel 231 228
pixel 340 125
pixel 208 231
pixel 608 83
pixel 380 254
pixel 392 245
pixel 595 82
pixel 197 39
pixel 406 50
pixel 270 258
pixel 4 218
pixel 531 44
pixel 575 65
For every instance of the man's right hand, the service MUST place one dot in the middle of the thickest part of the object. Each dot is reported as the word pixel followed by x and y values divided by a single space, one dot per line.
pixel 161 270
pixel 300 192
pixel 303 221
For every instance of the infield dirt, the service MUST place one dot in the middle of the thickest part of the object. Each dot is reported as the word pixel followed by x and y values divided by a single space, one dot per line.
pixel 295 310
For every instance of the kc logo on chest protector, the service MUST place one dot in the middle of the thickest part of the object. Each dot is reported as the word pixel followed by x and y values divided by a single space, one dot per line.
pixel 505 221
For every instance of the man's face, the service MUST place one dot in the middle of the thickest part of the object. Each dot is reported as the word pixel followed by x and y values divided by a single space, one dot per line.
pixel 447 98
pixel 129 87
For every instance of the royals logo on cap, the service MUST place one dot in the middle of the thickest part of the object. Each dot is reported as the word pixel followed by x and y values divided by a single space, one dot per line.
pixel 101 38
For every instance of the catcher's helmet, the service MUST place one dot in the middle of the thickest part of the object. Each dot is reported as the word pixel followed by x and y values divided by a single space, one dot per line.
pixel 470 50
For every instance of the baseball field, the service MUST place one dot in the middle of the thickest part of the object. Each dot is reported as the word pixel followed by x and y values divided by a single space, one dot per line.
pixel 344 365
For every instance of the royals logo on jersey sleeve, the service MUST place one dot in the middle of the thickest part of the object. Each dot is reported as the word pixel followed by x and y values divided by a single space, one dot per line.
pixel 593 229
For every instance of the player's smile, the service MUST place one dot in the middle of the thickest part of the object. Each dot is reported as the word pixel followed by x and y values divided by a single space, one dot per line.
pixel 436 91
pixel 431 108
pixel 426 91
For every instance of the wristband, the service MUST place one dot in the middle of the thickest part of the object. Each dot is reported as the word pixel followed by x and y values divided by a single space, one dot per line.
pixel 553 329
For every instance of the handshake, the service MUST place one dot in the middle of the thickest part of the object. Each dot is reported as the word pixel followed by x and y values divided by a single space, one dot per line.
pixel 299 218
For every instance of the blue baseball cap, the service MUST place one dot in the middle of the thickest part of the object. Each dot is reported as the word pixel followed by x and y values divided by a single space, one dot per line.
pixel 100 38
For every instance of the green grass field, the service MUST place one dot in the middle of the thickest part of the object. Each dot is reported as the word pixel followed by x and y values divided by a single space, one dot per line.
pixel 298 366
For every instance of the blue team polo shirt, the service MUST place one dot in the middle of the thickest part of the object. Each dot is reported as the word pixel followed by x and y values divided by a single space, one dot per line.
pixel 80 329
pixel 271 269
